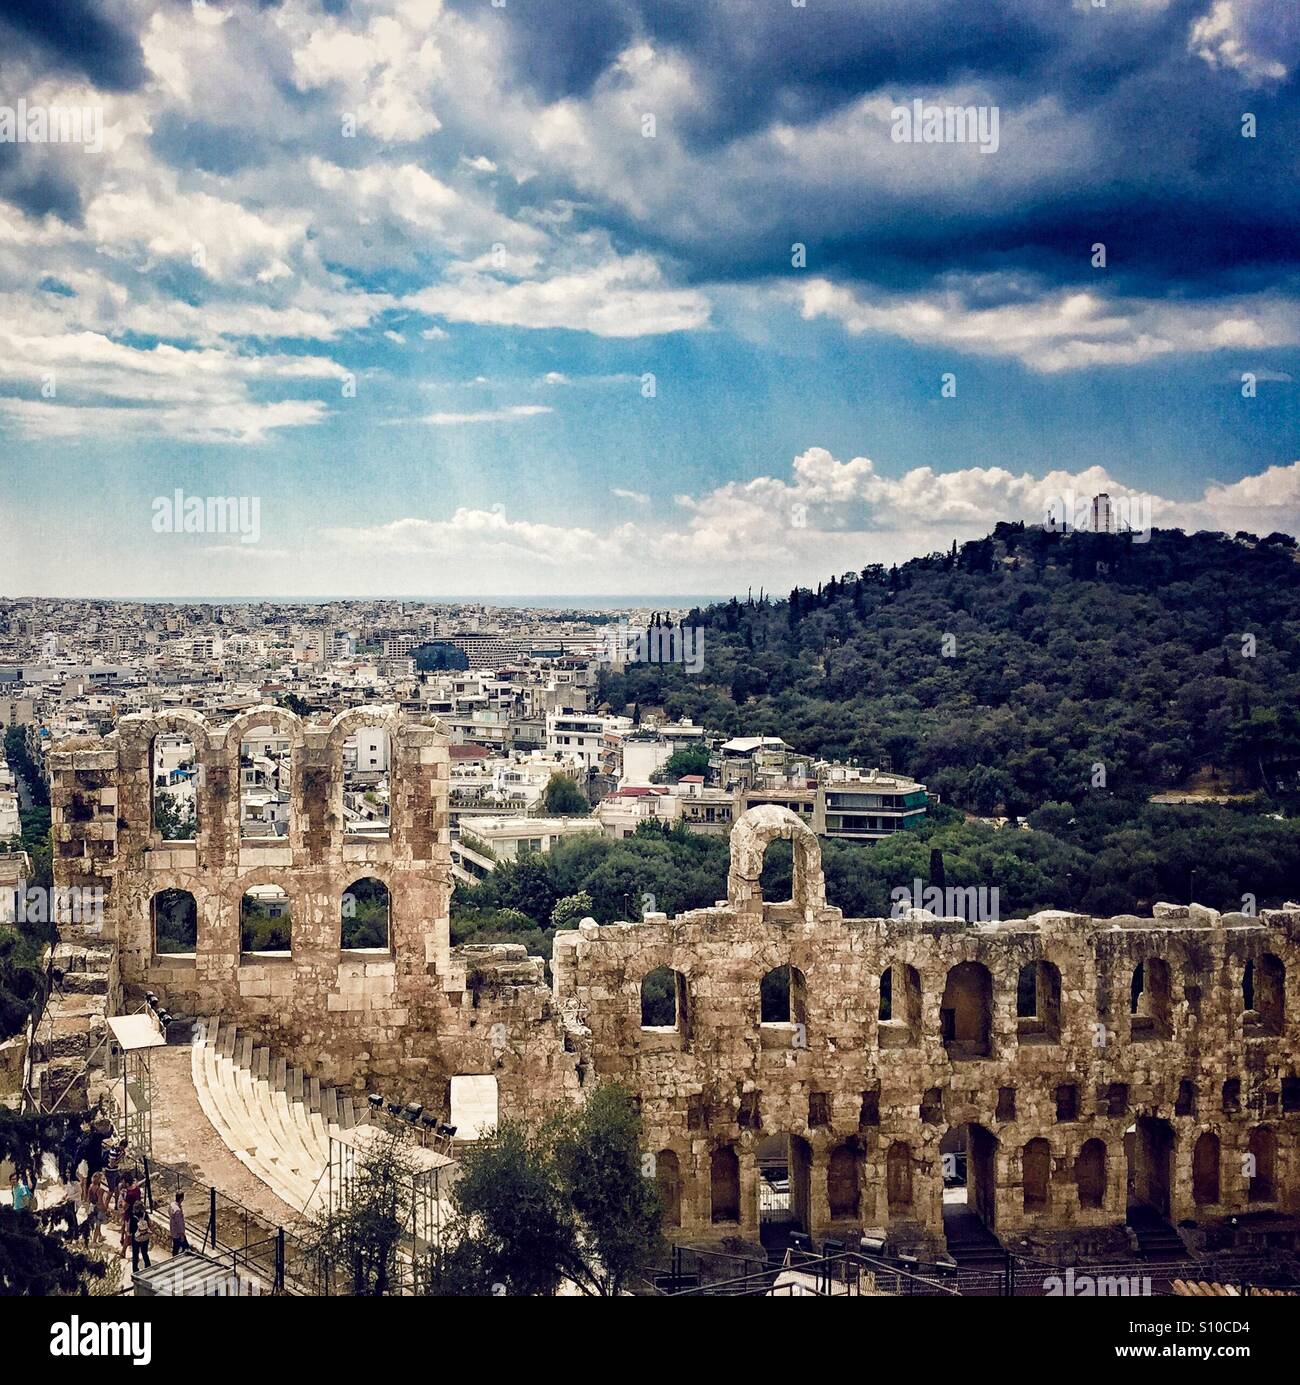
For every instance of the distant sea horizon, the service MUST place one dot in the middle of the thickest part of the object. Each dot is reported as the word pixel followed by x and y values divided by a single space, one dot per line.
pixel 562 602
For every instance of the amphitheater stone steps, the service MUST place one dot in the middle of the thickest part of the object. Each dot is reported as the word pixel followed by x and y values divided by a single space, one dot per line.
pixel 275 1119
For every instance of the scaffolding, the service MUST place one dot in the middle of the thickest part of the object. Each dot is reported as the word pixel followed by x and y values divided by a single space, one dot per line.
pixel 132 1038
pixel 422 1201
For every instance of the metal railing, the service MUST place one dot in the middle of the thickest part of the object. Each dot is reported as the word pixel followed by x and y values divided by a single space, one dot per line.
pixel 844 1274
pixel 695 1272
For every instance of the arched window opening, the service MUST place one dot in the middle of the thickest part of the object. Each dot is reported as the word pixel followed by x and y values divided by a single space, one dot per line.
pixel 1263 990
pixel 1090 1174
pixel 663 1000
pixel 668 1179
pixel 175 923
pixel 1036 1173
pixel 898 1177
pixel 265 925
pixel 1261 1165
pixel 1149 1007
pixel 899 1015
pixel 175 779
pixel 265 784
pixel 1205 1170
pixel 1038 1003
pixel 724 1185
pixel 367 766
pixel 1186 1100
pixel 842 1190
pixel 966 1012
pixel 364 916
pixel 783 997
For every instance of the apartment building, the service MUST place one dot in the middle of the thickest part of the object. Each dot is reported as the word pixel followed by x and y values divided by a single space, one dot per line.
pixel 592 739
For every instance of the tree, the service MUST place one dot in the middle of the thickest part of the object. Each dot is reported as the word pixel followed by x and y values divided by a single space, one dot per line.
pixel 571 909
pixel 511 1225
pixel 563 798
pixel 175 821
pixel 607 1177
pixel 22 979
pixel 691 759
pixel 571 1199
pixel 36 1258
pixel 360 1236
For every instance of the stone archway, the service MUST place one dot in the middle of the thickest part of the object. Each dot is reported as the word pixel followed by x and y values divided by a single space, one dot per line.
pixel 287 724
pixel 1150 1165
pixel 754 831
pixel 785 1187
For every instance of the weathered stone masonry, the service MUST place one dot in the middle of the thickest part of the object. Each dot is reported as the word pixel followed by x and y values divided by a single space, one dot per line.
pixel 402 1016
pixel 1161 1079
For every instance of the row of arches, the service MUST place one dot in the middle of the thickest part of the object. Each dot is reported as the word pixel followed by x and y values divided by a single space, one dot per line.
pixel 966 1007
pixel 267 800
pixel 266 921
pixel 968 1162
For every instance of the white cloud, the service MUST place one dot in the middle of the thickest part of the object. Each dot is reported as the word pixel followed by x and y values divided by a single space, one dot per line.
pixel 621 296
pixel 637 497
pixel 1219 39
pixel 383 71
pixel 507 415
pixel 236 421
pixel 1050 331
pixel 826 516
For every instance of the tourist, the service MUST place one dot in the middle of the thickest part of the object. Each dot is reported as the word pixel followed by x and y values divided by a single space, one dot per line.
pixel 68 1203
pixel 21 1194
pixel 177 1217
pixel 140 1234
pixel 130 1194
pixel 98 1199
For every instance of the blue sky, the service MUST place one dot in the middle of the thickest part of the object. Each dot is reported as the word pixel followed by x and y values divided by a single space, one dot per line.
pixel 484 300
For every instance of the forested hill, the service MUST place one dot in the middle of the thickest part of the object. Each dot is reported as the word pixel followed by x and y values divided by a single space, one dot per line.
pixel 1002 673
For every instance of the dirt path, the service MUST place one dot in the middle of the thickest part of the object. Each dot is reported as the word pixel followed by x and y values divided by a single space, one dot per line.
pixel 184 1138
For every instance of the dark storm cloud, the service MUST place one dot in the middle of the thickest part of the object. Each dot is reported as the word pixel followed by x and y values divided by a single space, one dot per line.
pixel 37 187
pixel 1162 176
pixel 81 36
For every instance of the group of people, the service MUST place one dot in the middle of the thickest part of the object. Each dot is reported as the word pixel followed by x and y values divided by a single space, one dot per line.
pixel 128 1204
pixel 97 1178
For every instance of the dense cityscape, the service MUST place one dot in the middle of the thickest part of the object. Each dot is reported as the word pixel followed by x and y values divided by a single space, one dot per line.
pixel 648 650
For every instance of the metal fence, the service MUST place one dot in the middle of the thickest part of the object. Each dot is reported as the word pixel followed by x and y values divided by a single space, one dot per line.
pixel 690 1272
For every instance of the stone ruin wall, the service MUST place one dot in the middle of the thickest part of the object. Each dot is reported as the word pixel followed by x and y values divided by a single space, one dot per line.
pixel 867 1102
pixel 405 1017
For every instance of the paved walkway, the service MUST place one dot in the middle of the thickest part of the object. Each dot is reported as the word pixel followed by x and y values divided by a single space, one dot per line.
pixel 184 1138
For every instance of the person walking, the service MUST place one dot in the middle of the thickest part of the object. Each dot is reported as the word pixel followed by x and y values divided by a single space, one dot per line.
pixel 177 1220
pixel 21 1195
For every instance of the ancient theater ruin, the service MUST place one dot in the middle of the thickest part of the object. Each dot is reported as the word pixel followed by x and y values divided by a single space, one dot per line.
pixel 1054 1077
